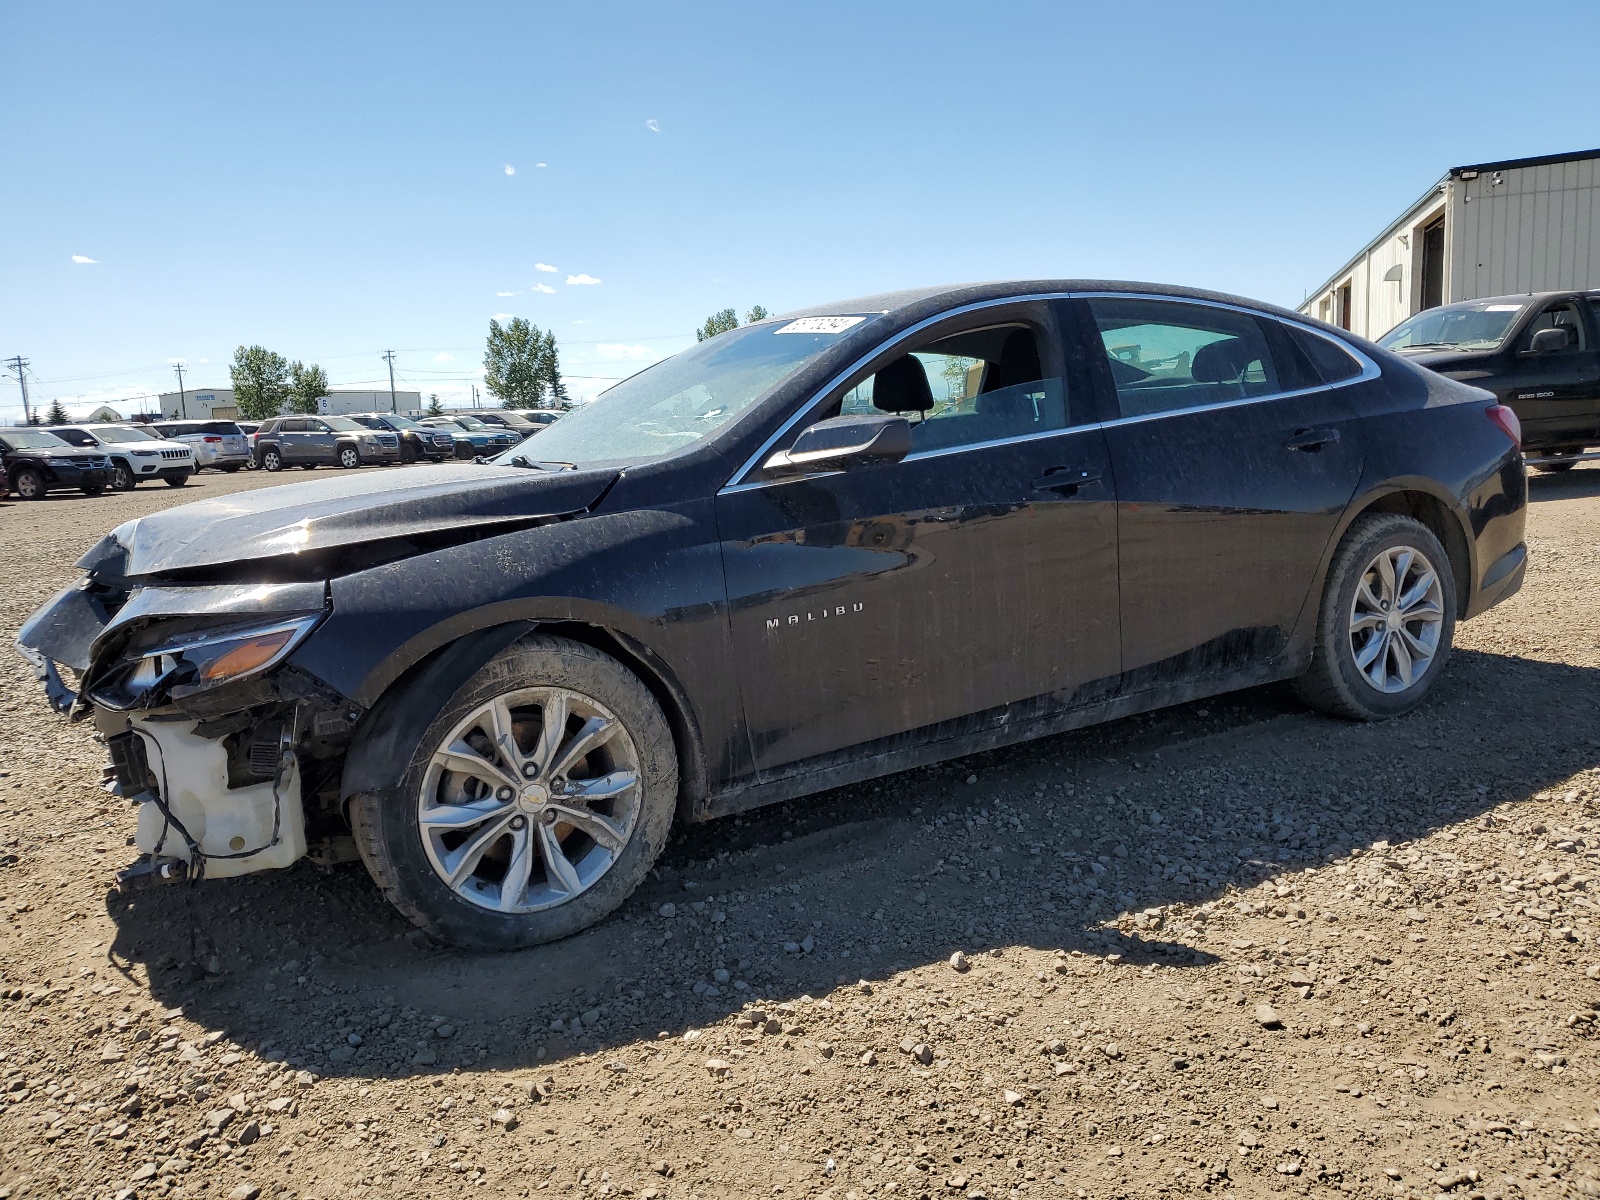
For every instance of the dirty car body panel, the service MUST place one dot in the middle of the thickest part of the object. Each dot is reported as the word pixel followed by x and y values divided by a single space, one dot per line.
pixel 1084 515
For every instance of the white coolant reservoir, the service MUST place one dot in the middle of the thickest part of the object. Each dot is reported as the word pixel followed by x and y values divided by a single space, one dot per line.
pixel 193 772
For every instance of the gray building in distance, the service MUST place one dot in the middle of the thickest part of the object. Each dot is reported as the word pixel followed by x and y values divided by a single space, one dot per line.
pixel 202 404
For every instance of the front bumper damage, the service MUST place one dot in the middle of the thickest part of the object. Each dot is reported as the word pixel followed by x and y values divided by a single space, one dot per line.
pixel 218 775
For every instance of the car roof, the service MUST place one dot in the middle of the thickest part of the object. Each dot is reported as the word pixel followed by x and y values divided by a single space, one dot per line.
pixel 1519 298
pixel 917 302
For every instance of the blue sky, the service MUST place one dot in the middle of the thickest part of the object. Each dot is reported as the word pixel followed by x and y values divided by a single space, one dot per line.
pixel 335 179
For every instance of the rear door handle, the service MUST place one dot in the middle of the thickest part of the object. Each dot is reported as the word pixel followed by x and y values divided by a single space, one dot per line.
pixel 1311 439
pixel 1065 480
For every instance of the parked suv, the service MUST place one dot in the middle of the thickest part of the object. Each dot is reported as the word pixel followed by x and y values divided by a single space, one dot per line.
pixel 503 418
pixel 473 437
pixel 1539 353
pixel 416 440
pixel 34 462
pixel 219 444
pixel 311 442
pixel 136 454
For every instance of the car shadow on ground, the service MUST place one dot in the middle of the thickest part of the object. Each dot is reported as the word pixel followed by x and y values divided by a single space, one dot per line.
pixel 1175 807
pixel 1581 480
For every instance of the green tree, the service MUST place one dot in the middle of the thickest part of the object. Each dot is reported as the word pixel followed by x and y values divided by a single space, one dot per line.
pixel 57 415
pixel 435 409
pixel 719 322
pixel 260 382
pixel 514 370
pixel 307 385
pixel 756 314
pixel 550 366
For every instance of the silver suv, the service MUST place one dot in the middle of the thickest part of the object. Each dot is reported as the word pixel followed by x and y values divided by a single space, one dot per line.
pixel 312 441
pixel 219 444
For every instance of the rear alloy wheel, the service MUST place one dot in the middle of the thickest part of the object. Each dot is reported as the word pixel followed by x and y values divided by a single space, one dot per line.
pixel 28 484
pixel 349 457
pixel 122 477
pixel 532 806
pixel 1387 621
pixel 271 460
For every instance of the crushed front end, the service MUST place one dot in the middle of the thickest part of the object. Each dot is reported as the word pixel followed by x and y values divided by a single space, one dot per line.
pixel 231 754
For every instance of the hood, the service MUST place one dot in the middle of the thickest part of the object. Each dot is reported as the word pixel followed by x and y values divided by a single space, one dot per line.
pixel 364 508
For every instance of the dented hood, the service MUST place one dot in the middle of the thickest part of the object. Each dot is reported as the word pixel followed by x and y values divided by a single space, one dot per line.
pixel 359 508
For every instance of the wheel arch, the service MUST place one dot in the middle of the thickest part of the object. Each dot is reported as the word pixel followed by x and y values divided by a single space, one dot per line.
pixel 379 749
pixel 1422 501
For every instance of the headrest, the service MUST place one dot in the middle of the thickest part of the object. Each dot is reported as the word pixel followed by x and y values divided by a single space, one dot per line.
pixel 1221 362
pixel 902 386
pixel 1019 362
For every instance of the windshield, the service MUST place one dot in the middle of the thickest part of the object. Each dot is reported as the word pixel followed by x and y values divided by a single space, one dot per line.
pixel 1481 325
pixel 33 439
pixel 343 423
pixel 394 422
pixel 469 422
pixel 121 433
pixel 672 405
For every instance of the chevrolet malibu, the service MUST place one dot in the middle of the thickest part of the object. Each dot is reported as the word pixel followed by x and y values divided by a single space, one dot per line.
pixel 807 552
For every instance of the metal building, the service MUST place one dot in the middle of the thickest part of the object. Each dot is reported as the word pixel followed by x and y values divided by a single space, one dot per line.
pixel 1494 229
pixel 199 404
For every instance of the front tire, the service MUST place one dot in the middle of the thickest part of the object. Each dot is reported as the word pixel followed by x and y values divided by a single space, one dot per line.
pixel 28 484
pixel 122 478
pixel 1387 621
pixel 349 457
pixel 533 804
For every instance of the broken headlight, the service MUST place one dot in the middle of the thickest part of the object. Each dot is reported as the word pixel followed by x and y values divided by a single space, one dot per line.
pixel 147 674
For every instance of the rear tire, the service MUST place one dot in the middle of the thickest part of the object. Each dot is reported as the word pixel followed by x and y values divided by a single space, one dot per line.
pixel 308 466
pixel 1365 665
pixel 28 484
pixel 492 836
pixel 92 489
pixel 232 469
pixel 177 480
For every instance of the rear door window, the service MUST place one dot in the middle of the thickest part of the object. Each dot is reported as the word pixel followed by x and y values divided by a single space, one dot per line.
pixel 1166 355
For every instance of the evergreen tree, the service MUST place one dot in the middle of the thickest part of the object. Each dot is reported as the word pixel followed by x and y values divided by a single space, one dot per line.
pixel 57 415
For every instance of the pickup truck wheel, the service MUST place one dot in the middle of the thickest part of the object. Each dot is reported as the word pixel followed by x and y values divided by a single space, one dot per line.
pixel 122 478
pixel 533 804
pixel 27 483
pixel 349 457
pixel 1387 621
pixel 271 460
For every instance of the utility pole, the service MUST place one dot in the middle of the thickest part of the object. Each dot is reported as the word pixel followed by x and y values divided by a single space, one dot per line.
pixel 20 366
pixel 183 397
pixel 389 358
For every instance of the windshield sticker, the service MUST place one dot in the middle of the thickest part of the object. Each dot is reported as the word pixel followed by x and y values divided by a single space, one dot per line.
pixel 820 325
pixel 1502 308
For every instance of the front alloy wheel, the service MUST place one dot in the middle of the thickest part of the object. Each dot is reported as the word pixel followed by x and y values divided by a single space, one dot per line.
pixel 122 478
pixel 530 800
pixel 533 803
pixel 349 458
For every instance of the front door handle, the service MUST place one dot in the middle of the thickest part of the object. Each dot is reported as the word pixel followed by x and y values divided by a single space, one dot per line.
pixel 1065 481
pixel 1311 439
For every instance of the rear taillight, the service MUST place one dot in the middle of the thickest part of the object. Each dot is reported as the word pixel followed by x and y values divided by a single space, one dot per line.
pixel 1506 420
pixel 217 440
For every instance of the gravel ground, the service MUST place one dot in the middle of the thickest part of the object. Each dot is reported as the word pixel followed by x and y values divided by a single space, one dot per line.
pixel 1228 949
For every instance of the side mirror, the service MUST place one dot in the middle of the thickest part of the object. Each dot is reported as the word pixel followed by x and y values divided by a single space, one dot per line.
pixel 843 443
pixel 1546 340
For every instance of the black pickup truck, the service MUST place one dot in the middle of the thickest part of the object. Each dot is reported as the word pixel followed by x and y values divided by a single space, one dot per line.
pixel 1539 353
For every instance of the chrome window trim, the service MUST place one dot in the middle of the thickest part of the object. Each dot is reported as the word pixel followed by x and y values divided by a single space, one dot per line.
pixel 1369 371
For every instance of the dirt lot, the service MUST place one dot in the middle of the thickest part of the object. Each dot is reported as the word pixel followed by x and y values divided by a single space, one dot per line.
pixel 1232 948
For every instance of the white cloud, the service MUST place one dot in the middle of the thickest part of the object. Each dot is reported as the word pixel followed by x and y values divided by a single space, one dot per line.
pixel 545 288
pixel 504 316
pixel 503 295
pixel 616 350
pixel 443 356
pixel 509 169
pixel 546 267
pixel 84 259
pixel 583 279
pixel 175 361
pixel 652 125
pixel 541 164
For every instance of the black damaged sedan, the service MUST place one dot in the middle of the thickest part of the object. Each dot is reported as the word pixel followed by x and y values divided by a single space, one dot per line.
pixel 807 552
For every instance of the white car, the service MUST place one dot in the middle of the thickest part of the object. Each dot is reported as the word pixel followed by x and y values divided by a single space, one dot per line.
pixel 136 454
pixel 219 444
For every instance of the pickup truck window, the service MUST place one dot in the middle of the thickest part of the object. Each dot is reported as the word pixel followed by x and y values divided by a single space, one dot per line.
pixel 1564 315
